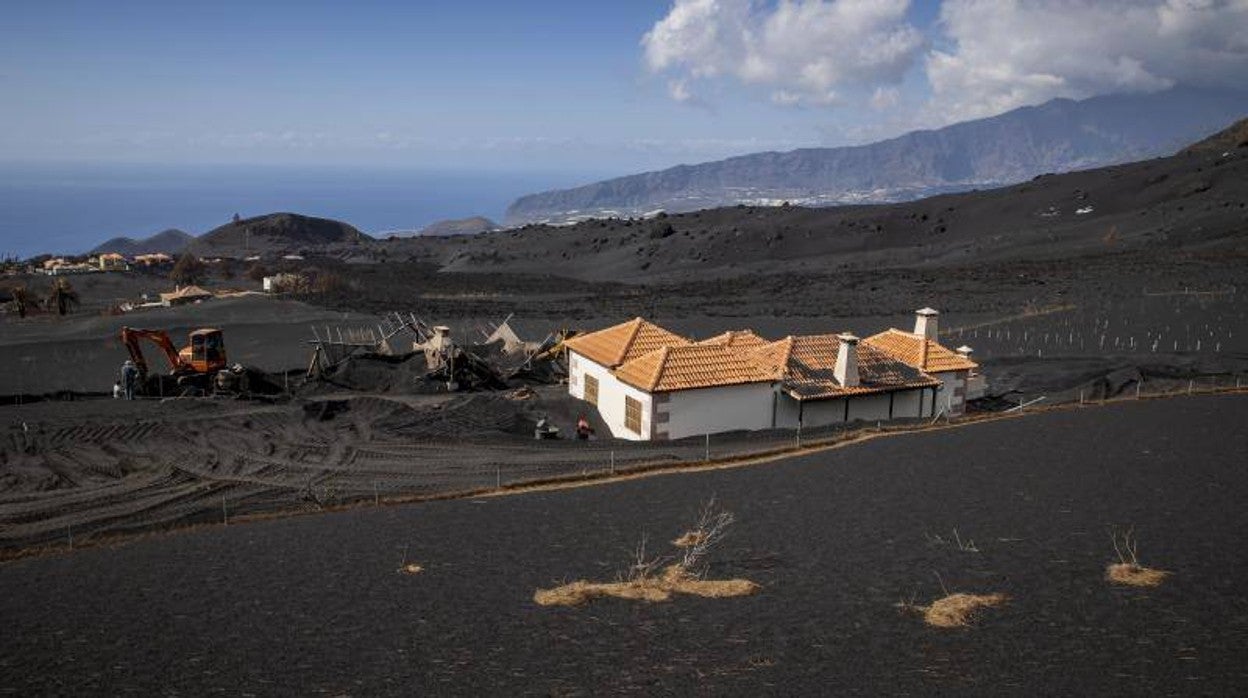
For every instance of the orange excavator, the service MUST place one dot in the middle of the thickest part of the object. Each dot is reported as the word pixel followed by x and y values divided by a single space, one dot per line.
pixel 196 365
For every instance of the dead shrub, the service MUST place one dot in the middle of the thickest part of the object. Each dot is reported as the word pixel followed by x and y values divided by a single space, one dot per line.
pixel 406 567
pixel 656 579
pixel 655 588
pixel 1128 571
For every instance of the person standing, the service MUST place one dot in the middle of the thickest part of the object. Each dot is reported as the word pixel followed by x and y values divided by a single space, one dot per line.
pixel 583 429
pixel 129 376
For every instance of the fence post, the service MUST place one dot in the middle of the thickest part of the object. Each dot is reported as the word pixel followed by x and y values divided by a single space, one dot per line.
pixel 613 462
pixel 1190 383
pixel 708 447
pixel 498 477
pixel 225 513
pixel 1080 397
pixel 1137 388
pixel 799 435
pixel 376 496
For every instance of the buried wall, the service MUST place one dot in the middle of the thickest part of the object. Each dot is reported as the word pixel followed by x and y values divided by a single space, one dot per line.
pixel 711 410
pixel 900 404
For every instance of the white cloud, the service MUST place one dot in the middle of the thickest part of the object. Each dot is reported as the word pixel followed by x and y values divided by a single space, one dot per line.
pixel 801 50
pixel 1008 53
pixel 679 90
pixel 885 98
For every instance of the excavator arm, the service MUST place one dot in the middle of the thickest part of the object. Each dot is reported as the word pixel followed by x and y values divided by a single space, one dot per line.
pixel 131 337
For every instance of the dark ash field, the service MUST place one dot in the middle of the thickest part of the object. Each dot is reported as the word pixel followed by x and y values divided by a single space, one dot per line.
pixel 836 539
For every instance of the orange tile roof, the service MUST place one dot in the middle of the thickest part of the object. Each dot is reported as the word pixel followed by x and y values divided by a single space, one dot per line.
pixel 809 364
pixel 745 339
pixel 653 359
pixel 621 343
pixel 908 348
pixel 690 366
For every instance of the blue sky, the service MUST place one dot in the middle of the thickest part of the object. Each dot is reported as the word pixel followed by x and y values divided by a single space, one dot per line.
pixel 563 85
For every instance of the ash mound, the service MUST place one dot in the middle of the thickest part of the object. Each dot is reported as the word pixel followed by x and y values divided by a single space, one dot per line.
pixel 276 232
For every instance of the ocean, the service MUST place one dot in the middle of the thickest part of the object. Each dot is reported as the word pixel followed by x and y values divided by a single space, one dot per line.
pixel 67 209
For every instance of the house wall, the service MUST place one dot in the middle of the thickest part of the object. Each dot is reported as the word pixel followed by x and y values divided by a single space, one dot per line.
pixel 951 396
pixel 711 410
pixel 611 393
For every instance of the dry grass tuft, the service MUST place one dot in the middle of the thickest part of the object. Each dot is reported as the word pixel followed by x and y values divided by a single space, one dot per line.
pixel 1128 570
pixel 1134 575
pixel 406 567
pixel 679 580
pixel 673 580
pixel 958 610
pixel 653 579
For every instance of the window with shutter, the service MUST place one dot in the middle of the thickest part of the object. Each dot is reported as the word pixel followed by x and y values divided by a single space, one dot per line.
pixel 591 390
pixel 632 415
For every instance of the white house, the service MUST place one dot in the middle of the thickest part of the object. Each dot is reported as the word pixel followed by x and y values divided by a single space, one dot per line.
pixel 649 383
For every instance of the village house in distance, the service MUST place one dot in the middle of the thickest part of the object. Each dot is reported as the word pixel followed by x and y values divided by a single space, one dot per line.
pixel 649 383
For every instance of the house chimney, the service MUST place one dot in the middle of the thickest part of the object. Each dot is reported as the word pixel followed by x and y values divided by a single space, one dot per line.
pixel 964 351
pixel 846 371
pixel 925 322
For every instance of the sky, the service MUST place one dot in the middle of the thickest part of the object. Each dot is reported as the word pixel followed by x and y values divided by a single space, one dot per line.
pixel 562 85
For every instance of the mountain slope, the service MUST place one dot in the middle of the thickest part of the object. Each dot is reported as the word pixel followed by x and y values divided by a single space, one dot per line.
pixel 1234 136
pixel 1194 200
pixel 171 241
pixel 1060 135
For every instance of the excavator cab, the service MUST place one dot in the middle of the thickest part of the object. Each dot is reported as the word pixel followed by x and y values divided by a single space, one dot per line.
pixel 206 352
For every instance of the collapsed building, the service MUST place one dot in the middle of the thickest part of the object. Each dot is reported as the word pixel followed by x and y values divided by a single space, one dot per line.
pixel 649 383
pixel 405 354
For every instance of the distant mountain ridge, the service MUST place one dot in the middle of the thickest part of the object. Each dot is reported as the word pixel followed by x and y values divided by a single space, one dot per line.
pixel 171 242
pixel 1057 136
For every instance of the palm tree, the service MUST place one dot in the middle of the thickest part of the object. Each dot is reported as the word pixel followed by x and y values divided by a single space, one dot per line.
pixel 21 298
pixel 188 270
pixel 63 297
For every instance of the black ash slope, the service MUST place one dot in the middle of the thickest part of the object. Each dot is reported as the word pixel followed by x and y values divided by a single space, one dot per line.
pixel 316 604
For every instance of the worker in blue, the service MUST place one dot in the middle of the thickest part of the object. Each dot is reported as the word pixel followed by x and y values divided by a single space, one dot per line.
pixel 129 376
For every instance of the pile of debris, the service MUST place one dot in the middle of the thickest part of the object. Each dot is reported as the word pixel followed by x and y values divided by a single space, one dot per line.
pixel 404 354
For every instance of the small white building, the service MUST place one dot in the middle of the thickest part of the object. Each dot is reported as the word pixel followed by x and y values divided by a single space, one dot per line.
pixel 959 376
pixel 649 383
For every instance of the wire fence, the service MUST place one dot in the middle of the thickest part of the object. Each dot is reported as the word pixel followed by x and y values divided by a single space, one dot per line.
pixel 239 483
pixel 403 472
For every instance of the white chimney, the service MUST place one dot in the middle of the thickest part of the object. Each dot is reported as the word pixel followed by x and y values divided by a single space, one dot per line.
pixel 846 371
pixel 964 351
pixel 925 322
